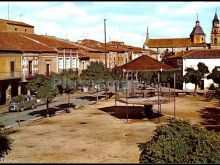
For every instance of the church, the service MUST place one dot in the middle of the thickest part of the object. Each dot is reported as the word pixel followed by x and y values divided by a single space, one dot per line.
pixel 196 40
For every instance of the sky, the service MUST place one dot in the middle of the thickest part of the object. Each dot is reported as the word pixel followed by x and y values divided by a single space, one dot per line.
pixel 126 21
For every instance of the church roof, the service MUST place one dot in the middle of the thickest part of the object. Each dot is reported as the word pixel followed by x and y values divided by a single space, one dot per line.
pixel 216 17
pixel 169 42
pixel 197 30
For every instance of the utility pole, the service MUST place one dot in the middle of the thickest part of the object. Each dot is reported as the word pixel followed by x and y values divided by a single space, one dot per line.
pixel 105 43
pixel 8 10
pixel 106 97
pixel 20 16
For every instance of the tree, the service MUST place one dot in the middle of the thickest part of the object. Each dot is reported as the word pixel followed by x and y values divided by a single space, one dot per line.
pixel 5 144
pixel 45 88
pixel 215 75
pixel 195 76
pixel 96 72
pixel 166 55
pixel 68 82
pixel 147 76
pixel 180 142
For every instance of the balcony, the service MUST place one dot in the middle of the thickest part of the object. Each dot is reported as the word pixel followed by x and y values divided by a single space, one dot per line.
pixel 10 75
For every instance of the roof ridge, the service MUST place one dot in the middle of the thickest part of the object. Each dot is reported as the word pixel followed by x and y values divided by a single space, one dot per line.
pixel 167 38
pixel 189 53
pixel 38 42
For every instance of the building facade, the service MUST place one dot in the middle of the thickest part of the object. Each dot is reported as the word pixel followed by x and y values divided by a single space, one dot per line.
pixel 197 40
pixel 190 59
pixel 15 26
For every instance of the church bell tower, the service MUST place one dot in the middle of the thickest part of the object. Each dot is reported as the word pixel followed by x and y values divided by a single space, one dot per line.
pixel 215 33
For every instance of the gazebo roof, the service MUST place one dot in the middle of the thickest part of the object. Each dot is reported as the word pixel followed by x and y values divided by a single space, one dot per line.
pixel 146 63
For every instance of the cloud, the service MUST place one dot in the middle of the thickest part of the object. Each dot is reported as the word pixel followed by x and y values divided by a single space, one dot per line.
pixel 126 21
pixel 64 11
pixel 27 4
pixel 186 8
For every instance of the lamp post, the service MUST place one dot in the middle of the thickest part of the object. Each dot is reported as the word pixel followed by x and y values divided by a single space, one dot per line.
pixel 105 43
pixel 174 79
pixel 105 59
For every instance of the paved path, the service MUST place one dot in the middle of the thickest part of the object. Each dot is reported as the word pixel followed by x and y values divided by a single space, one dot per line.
pixel 13 119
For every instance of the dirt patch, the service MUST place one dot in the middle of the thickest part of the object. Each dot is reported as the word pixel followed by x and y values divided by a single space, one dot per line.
pixel 100 133
pixel 83 123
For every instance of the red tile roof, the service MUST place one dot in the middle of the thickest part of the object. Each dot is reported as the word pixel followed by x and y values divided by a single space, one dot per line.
pixel 98 46
pixel 115 46
pixel 79 46
pixel 13 41
pixel 169 42
pixel 50 41
pixel 198 54
pixel 15 23
pixel 146 63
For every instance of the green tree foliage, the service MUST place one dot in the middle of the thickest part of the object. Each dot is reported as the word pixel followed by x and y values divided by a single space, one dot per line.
pixel 195 76
pixel 68 80
pixel 165 77
pixel 96 71
pixel 147 76
pixel 166 55
pixel 36 82
pixel 215 75
pixel 180 142
pixel 217 93
pixel 18 99
pixel 5 144
pixel 44 88
pixel 117 74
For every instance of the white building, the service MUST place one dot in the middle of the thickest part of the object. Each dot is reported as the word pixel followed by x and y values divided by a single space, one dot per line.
pixel 190 59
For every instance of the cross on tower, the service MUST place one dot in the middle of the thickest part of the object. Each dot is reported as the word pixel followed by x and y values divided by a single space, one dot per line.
pixel 20 15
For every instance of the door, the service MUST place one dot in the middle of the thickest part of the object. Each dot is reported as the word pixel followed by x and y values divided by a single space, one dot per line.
pixel 30 68
pixel 12 68
pixel 47 69
pixel 202 85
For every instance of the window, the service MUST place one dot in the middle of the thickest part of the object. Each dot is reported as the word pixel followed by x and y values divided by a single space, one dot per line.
pixel 25 30
pixel 60 64
pixel 215 40
pixel 73 62
pixel 202 39
pixel 16 29
pixel 47 69
pixel 67 63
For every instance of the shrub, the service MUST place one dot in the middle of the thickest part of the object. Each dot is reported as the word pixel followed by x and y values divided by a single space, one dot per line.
pixel 212 87
pixel 5 144
pixel 18 98
pixel 179 142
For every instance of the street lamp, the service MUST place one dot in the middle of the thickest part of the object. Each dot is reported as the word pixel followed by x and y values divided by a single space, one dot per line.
pixel 105 43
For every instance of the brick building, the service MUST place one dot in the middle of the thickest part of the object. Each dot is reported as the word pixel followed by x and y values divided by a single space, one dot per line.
pixel 9 25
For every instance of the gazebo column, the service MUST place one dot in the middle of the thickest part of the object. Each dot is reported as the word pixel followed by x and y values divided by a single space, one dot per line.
pixel 174 106
pixel 158 90
pixel 132 77
pixel 136 73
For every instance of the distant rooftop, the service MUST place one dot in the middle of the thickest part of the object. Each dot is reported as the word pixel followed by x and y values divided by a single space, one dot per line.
pixel 15 23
